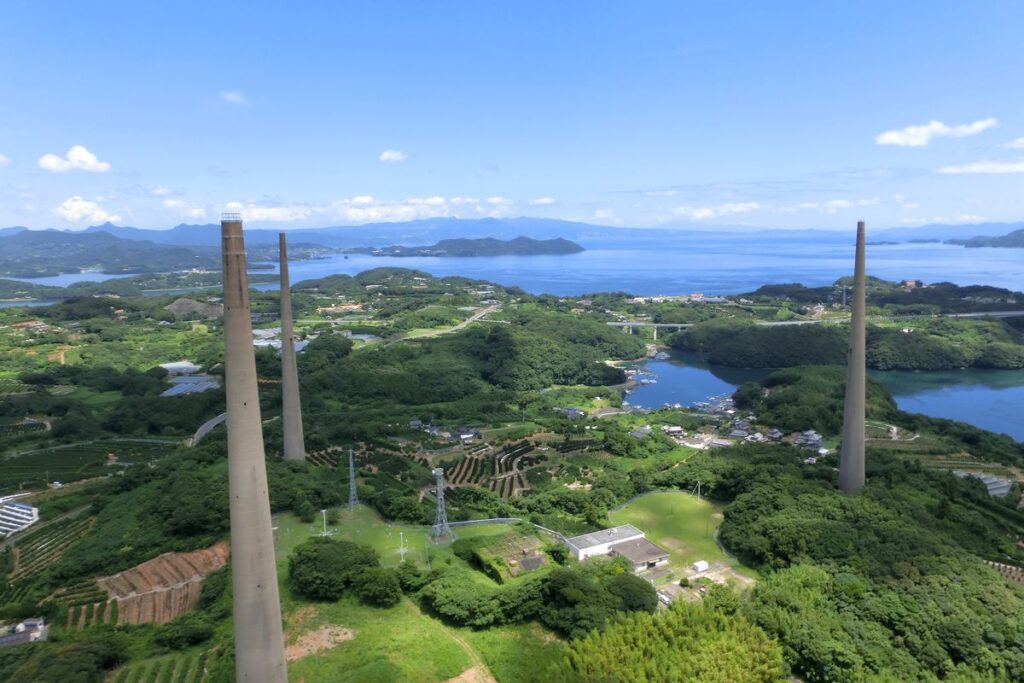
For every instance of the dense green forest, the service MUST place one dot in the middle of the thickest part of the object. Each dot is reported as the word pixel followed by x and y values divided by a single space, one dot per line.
pixel 928 344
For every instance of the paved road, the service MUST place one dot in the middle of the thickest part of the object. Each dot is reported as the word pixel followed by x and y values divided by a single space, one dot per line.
pixel 205 428
pixel 483 312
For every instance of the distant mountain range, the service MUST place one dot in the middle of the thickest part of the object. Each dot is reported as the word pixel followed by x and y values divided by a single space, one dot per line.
pixel 38 253
pixel 487 246
pixel 122 249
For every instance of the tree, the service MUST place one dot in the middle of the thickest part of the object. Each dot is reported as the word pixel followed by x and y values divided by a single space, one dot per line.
pixel 323 568
pixel 687 642
pixel 378 586
pixel 635 594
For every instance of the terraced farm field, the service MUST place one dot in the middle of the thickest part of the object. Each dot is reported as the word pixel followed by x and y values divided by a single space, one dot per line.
pixel 38 550
pixel 73 463
pixel 182 667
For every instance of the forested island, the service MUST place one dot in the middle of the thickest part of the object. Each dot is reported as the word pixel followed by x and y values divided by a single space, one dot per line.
pixel 1014 239
pixel 485 246
pixel 520 399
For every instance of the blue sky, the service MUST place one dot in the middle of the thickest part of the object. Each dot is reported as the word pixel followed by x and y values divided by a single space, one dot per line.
pixel 634 114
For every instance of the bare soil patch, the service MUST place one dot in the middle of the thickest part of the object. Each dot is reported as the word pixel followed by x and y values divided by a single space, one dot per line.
pixel 163 588
pixel 316 641
pixel 476 674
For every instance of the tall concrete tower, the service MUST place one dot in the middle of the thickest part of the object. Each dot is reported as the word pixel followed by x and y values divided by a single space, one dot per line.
pixel 291 409
pixel 851 459
pixel 259 640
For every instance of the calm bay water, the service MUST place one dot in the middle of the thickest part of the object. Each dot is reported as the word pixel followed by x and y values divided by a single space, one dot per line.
pixel 713 264
pixel 990 399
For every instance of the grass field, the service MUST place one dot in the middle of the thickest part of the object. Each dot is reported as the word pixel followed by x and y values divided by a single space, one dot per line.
pixel 516 654
pixel 364 525
pixel 399 643
pixel 679 523
pixel 395 644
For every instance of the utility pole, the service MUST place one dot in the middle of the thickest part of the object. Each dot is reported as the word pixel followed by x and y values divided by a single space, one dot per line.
pixel 401 545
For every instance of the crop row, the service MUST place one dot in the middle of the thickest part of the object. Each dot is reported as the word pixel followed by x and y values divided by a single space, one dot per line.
pixel 12 592
pixel 182 668
pixel 39 553
pixel 90 614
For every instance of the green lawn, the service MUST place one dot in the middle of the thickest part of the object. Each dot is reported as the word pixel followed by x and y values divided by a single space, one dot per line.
pixel 679 523
pixel 364 525
pixel 395 644
pixel 520 653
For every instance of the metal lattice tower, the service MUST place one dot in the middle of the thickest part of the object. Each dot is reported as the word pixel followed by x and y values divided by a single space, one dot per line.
pixel 353 497
pixel 441 529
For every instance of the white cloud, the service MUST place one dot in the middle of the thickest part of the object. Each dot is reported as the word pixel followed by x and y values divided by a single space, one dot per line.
pixel 700 213
pixel 542 201
pixel 962 218
pixel 979 167
pixel 270 214
pixel 75 209
pixel 4 161
pixel 463 200
pixel 920 136
pixel 78 158
pixel 661 193
pixel 160 191
pixel 904 202
pixel 185 209
pixel 392 156
pixel 831 206
pixel 362 199
pixel 606 216
pixel 499 201
pixel 234 97
pixel 1016 144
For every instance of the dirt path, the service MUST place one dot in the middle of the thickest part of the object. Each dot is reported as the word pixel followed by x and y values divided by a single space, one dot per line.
pixel 478 673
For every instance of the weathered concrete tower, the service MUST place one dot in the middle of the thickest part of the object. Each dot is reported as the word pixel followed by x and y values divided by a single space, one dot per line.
pixel 851 459
pixel 259 639
pixel 291 408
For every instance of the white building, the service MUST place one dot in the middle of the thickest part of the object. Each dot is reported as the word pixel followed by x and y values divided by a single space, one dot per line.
pixel 15 516
pixel 601 542
pixel 624 541
pixel 182 367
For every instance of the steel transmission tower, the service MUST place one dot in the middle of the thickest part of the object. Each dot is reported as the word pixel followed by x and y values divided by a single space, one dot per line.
pixel 353 497
pixel 441 529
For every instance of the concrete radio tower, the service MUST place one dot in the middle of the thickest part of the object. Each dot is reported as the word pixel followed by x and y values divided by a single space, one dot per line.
pixel 851 458
pixel 441 529
pixel 259 640
pixel 291 409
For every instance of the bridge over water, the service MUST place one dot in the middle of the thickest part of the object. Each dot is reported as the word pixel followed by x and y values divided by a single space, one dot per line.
pixel 629 326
